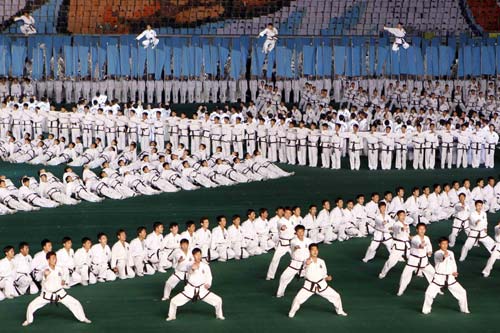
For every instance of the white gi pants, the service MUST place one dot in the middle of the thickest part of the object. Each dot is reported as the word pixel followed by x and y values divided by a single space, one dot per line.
pixel 303 295
pixel 279 252
pixel 153 42
pixel 377 240
pixel 455 289
pixel 268 46
pixel 68 301
pixel 491 261
pixel 180 300
pixel 124 270
pixel 172 282
pixel 407 274
pixel 472 239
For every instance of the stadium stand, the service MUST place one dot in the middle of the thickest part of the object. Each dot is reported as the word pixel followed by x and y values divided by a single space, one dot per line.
pixel 228 17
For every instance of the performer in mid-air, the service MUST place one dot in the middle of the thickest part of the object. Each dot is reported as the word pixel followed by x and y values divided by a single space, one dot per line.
pixel 271 34
pixel 400 33
pixel 151 38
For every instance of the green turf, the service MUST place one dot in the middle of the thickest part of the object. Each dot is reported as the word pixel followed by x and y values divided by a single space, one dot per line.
pixel 249 305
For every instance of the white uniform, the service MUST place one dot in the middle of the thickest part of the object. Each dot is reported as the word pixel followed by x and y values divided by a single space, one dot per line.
pixel 460 222
pixel 382 234
pixel 495 254
pixel 121 260
pixel 315 283
pixel 24 282
pixel 400 35
pixel 444 278
pixel 101 258
pixel 222 244
pixel 238 244
pixel 53 292
pixel 300 252
pixel 199 280
pixel 271 38
pixel 286 234
pixel 251 238
pixel 478 233
pixel 417 261
pixel 83 263
pixel 139 255
pixel 182 262
pixel 151 38
pixel 66 261
pixel 400 246
pixel 156 252
pixel 7 278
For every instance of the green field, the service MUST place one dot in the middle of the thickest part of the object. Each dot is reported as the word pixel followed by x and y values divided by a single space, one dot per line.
pixel 249 302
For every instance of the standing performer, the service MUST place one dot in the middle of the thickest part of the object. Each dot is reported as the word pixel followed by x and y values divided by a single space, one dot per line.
pixel 495 254
pixel 382 233
pixel 400 35
pixel 420 250
pixel 53 292
pixel 445 277
pixel 300 248
pixel 316 282
pixel 150 35
pixel 183 259
pixel 478 232
pixel 285 234
pixel 401 243
pixel 199 281
pixel 461 220
pixel 271 34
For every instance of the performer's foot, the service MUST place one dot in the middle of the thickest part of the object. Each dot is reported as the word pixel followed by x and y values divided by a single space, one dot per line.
pixel 381 276
pixel 342 313
pixel 165 299
pixel 87 321
pixel 291 315
pixel 26 323
pixel 221 318
pixel 170 318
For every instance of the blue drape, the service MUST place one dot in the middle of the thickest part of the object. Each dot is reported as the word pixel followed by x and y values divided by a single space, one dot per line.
pixel 339 52
pixel 125 56
pixel 235 59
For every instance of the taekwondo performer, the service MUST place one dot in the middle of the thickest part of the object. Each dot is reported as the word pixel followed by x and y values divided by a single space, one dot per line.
pixel 53 292
pixel 445 277
pixel 199 281
pixel 400 33
pixel 271 34
pixel 418 260
pixel 150 36
pixel 316 282
pixel 300 252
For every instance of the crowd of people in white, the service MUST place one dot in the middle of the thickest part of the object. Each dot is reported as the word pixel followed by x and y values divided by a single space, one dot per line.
pixel 389 220
pixel 428 124
pixel 146 174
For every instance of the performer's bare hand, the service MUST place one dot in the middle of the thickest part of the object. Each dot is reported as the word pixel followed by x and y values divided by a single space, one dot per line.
pixel 329 278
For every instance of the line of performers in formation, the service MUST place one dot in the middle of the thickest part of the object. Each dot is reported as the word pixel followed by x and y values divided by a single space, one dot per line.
pixel 387 143
pixel 389 220
pixel 146 174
